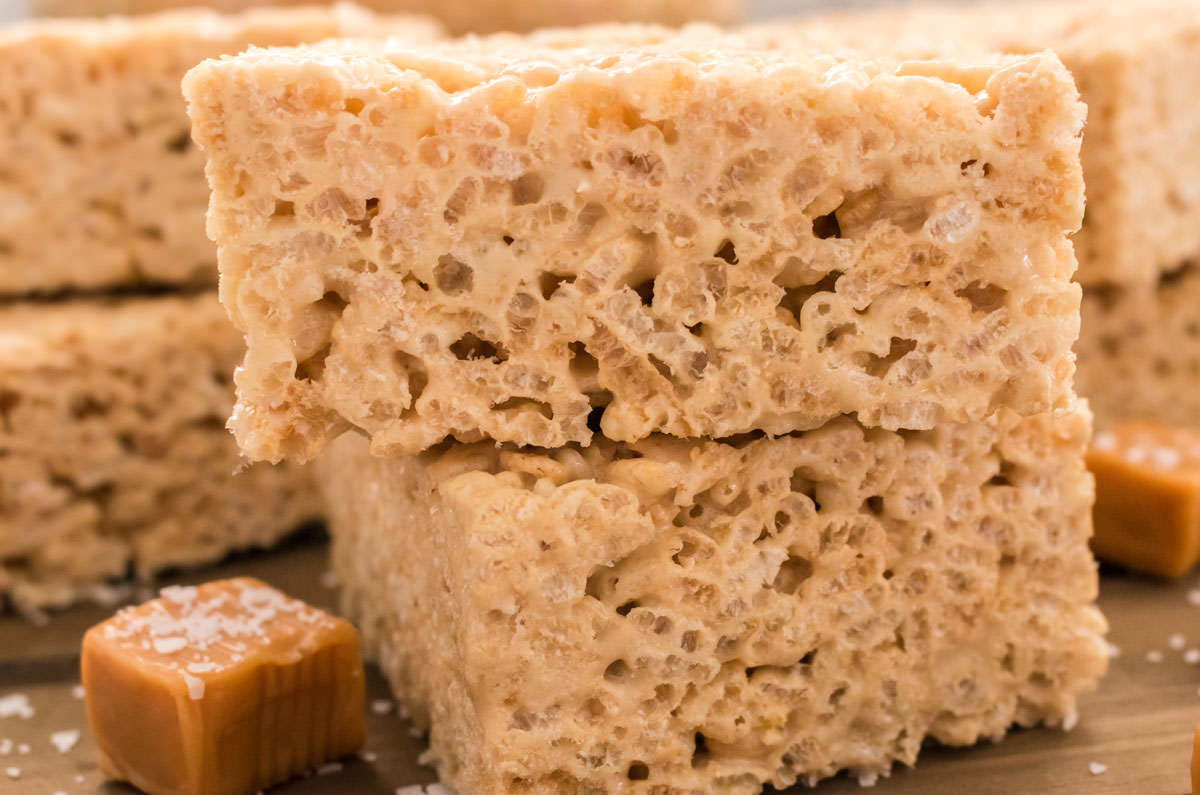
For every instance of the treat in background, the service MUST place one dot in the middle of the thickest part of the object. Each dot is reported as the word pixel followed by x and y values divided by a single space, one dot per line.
pixel 460 16
pixel 1147 513
pixel 222 689
pixel 101 185
pixel 114 457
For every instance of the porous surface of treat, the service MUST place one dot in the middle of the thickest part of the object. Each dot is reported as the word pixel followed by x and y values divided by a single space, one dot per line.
pixel 495 238
pixel 113 452
pixel 1147 514
pixel 684 616
pixel 1139 350
pixel 101 185
pixel 461 16
pixel 221 689
pixel 1136 65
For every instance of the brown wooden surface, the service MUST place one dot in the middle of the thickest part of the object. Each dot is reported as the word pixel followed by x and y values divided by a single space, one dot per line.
pixel 1139 724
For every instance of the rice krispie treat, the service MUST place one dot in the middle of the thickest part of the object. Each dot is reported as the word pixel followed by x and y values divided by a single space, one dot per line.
pixel 460 16
pixel 1137 65
pixel 100 184
pixel 683 616
pixel 502 238
pixel 113 453
pixel 1139 350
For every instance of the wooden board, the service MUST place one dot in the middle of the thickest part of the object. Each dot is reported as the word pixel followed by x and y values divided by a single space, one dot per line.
pixel 1139 724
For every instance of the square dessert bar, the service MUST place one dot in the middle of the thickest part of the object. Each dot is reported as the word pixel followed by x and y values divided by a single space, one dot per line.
pixel 113 452
pixel 680 616
pixel 100 185
pixel 1137 65
pixel 502 238
pixel 460 16
pixel 1139 351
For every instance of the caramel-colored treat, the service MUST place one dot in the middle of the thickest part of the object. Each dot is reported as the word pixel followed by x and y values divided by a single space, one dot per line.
pixel 1147 514
pixel 228 687
pixel 1196 761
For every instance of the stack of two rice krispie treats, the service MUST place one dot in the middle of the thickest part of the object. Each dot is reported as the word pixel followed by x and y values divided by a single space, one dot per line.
pixel 115 354
pixel 711 405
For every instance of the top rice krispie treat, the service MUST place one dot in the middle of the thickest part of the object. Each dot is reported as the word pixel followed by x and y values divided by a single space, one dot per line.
pixel 626 231
pixel 100 185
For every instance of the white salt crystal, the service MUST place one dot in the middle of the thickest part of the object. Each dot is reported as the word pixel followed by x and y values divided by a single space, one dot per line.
pixel 23 749
pixel 1191 656
pixel 1165 458
pixel 1096 768
pixel 195 686
pixel 868 779
pixel 64 740
pixel 381 706
pixel 1112 649
pixel 15 705
pixel 1104 441
pixel 1193 597
pixel 77 692
pixel 12 772
pixel 1154 656
pixel 1177 642
pixel 169 645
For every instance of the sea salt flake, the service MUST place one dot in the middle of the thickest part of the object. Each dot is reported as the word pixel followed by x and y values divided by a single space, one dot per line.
pixel 868 779
pixel 169 645
pixel 1154 656
pixel 381 706
pixel 201 667
pixel 195 686
pixel 1096 768
pixel 23 749
pixel 12 772
pixel 1191 656
pixel 1193 597
pixel 64 740
pixel 1104 441
pixel 1165 458
pixel 6 746
pixel 77 692
pixel 1112 650
pixel 1177 642
pixel 15 705
pixel 1070 721
pixel 368 756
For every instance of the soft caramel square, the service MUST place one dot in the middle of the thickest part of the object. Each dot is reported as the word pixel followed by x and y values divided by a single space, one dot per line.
pixel 224 688
pixel 1147 514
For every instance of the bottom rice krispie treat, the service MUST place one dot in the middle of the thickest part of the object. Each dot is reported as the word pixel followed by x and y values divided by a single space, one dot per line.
pixel 1139 350
pixel 678 616
pixel 113 449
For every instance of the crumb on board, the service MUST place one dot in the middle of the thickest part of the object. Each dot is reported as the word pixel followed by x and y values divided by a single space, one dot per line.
pixel 15 705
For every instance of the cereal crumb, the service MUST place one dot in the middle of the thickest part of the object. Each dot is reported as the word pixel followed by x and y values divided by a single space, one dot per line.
pixel 1096 768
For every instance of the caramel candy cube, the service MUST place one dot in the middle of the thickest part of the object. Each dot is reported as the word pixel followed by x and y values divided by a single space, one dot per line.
pixel 227 687
pixel 1147 514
